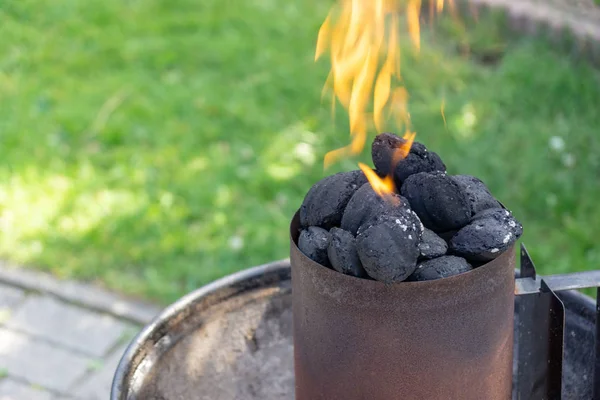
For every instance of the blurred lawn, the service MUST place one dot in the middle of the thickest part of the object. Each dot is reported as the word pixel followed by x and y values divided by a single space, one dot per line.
pixel 155 145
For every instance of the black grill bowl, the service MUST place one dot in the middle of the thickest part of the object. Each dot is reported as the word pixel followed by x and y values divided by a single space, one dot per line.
pixel 232 340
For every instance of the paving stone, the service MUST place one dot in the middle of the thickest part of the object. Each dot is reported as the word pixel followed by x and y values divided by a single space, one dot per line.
pixel 97 385
pixel 87 295
pixel 38 362
pixel 9 296
pixel 72 326
pixel 11 390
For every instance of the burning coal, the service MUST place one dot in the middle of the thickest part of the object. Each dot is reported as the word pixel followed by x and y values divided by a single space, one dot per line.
pixel 434 226
pixel 362 39
pixel 407 219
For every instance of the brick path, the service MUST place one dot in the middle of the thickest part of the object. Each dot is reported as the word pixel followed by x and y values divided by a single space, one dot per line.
pixel 61 340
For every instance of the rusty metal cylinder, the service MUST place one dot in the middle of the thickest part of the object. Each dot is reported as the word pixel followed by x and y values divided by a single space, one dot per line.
pixel 445 339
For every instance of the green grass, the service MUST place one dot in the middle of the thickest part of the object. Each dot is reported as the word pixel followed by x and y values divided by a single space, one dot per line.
pixel 155 145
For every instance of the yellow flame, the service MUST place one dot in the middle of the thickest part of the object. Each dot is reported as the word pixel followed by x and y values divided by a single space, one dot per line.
pixel 440 5
pixel 362 39
pixel 381 186
pixel 413 11
pixel 356 41
pixel 324 36
pixel 443 112
pixel 402 151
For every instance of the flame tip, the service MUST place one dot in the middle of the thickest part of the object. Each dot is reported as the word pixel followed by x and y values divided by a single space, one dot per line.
pixel 381 186
pixel 362 38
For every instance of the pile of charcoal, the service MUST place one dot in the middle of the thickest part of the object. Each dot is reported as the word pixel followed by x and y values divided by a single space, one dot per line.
pixel 438 225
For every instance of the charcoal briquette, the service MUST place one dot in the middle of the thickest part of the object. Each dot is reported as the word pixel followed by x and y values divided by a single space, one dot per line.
pixel 490 233
pixel 388 247
pixel 314 242
pixel 419 159
pixel 326 201
pixel 478 194
pixel 367 205
pixel 498 213
pixel 432 245
pixel 438 201
pixel 447 235
pixel 382 151
pixel 440 267
pixel 343 255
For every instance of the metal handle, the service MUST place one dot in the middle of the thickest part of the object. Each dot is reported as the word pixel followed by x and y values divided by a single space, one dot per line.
pixel 558 283
pixel 541 330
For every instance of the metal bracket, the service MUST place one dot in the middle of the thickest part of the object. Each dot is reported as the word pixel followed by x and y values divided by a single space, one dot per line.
pixel 540 339
pixel 527 266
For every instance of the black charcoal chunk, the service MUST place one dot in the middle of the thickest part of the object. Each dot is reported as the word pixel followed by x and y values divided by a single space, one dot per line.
pixel 478 194
pixel 432 245
pixel 367 205
pixel 404 216
pixel 499 213
pixel 326 201
pixel 438 201
pixel 343 255
pixel 419 159
pixel 490 233
pixel 382 151
pixel 447 235
pixel 314 242
pixel 441 267
pixel 388 247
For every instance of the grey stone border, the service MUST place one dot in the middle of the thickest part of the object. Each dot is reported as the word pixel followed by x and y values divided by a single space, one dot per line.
pixel 563 24
pixel 84 295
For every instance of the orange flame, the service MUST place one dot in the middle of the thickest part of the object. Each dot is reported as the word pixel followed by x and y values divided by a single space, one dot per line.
pixel 402 151
pixel 381 186
pixel 443 111
pixel 363 43
pixel 440 5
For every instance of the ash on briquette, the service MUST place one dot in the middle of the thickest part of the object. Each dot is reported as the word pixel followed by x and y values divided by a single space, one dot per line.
pixel 389 247
pixel 490 233
pixel 438 201
pixel 366 205
pixel 432 245
pixel 325 202
pixel 441 267
pixel 478 194
pixel 343 254
pixel 314 242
